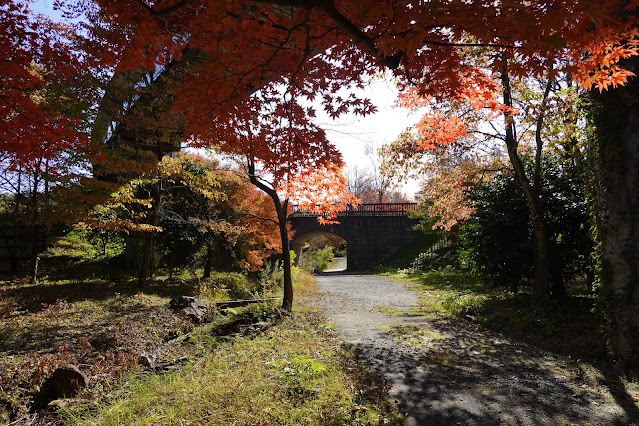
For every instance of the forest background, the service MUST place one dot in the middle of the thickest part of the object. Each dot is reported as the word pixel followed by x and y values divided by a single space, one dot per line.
pixel 95 111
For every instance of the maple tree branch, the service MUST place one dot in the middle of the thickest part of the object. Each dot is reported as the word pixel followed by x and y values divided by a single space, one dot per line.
pixel 255 180
pixel 359 36
pixel 346 25
pixel 408 76
pixel 267 219
pixel 509 121
pixel 538 139
pixel 263 66
pixel 488 135
pixel 495 129
pixel 166 11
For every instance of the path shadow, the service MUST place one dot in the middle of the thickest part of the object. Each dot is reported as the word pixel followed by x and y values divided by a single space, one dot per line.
pixel 337 273
pixel 472 378
pixel 612 380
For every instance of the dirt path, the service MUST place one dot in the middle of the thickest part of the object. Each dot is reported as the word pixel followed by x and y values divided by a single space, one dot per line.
pixel 444 374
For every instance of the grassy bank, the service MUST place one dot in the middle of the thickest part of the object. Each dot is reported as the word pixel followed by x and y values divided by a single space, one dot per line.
pixel 249 365
pixel 572 329
pixel 296 372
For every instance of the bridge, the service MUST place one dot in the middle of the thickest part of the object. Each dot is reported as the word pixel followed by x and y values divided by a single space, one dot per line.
pixel 373 232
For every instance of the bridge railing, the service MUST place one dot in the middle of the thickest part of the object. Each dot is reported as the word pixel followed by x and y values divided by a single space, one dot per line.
pixel 371 209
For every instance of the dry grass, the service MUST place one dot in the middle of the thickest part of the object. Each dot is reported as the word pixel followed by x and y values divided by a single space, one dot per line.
pixel 101 327
pixel 294 373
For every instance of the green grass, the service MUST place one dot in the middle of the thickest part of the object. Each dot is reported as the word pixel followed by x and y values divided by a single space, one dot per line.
pixel 99 323
pixel 83 244
pixel 405 256
pixel 571 329
pixel 390 311
pixel 414 335
pixel 248 365
pixel 295 374
pixel 86 310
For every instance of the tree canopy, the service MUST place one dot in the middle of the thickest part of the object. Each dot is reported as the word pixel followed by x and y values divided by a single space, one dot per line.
pixel 243 75
pixel 257 63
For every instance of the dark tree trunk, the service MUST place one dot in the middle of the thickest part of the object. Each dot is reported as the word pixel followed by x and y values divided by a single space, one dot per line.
pixel 16 249
pixel 14 245
pixel 147 255
pixel 281 207
pixel 35 250
pixel 171 264
pixel 287 300
pixel 615 149
pixel 208 266
pixel 13 253
pixel 148 248
pixel 35 230
pixel 557 286
pixel 541 289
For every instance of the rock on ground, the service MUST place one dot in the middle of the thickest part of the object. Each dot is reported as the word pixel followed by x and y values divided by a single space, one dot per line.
pixel 192 308
pixel 65 382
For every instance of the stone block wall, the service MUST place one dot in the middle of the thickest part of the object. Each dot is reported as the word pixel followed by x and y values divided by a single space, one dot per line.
pixel 369 239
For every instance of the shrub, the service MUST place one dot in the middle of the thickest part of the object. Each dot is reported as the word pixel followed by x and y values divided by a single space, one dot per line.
pixel 317 260
pixel 436 259
pixel 222 285
pixel 271 277
pixel 461 304
pixel 496 242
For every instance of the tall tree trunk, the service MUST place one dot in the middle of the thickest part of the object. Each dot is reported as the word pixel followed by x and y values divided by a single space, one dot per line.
pixel 148 248
pixel 281 207
pixel 541 289
pixel 615 155
pixel 287 300
pixel 171 263
pixel 35 230
pixel 17 244
pixel 35 250
pixel 208 265
pixel 147 255
pixel 13 249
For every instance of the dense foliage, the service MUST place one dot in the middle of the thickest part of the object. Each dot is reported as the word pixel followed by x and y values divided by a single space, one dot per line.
pixel 191 212
pixel 496 240
pixel 317 260
pixel 186 75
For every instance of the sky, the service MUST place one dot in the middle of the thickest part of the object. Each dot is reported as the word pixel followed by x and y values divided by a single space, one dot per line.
pixel 45 7
pixel 349 133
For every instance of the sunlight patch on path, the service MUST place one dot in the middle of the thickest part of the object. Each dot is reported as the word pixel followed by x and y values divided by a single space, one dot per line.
pixel 443 373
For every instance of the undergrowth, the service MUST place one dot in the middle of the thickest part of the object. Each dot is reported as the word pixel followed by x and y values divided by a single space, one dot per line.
pixel 571 329
pixel 296 373
pixel 248 365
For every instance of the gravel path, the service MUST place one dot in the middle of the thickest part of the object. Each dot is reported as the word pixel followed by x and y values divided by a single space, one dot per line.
pixel 445 374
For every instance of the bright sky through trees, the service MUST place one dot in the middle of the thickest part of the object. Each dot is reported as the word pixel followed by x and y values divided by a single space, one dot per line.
pixel 349 133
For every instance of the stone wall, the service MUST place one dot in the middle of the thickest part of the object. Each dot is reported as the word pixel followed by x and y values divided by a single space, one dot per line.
pixel 369 239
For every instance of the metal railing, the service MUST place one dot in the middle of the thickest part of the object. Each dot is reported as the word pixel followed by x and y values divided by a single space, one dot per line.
pixel 373 209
